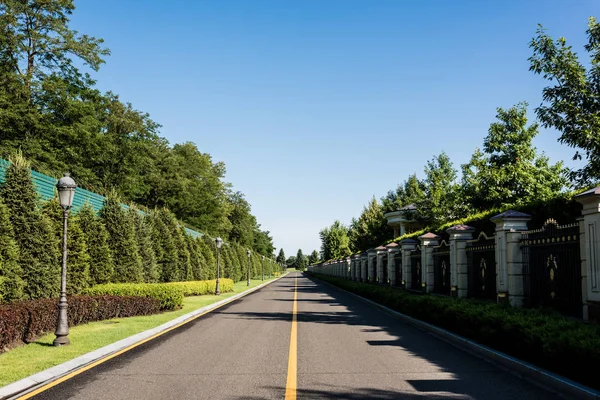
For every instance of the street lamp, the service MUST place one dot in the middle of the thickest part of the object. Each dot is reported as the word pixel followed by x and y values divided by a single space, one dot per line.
pixel 219 243
pixel 249 252
pixel 263 268
pixel 66 190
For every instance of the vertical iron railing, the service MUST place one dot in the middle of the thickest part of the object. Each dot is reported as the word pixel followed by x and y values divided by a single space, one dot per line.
pixel 481 267
pixel 552 267
pixel 441 268
pixel 415 268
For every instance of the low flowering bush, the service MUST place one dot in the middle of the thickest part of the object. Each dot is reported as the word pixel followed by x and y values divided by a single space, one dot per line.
pixel 169 296
pixel 22 322
pixel 199 288
pixel 542 337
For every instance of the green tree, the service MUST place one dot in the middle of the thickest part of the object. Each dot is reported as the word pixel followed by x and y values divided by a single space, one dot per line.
pixel 281 257
pixel 164 246
pixel 242 221
pixel 208 249
pixel 143 236
pixel 196 258
pixel 11 283
pixel 441 202
pixel 183 271
pixel 122 241
pixel 509 171
pixel 313 258
pixel 301 260
pixel 571 103
pixel 370 229
pixel 334 241
pixel 412 191
pixel 291 262
pixel 96 236
pixel 37 243
pixel 78 258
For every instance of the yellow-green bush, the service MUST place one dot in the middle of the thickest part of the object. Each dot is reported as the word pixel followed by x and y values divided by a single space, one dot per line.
pixel 198 288
pixel 169 295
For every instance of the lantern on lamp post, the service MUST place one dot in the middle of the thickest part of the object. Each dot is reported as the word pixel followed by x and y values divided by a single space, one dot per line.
pixel 219 243
pixel 66 191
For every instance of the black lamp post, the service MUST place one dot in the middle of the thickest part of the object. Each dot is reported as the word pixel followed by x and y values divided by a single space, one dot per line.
pixel 249 252
pixel 66 190
pixel 219 243
pixel 263 268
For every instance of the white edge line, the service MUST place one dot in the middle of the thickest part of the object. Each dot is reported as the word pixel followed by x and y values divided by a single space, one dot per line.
pixel 31 382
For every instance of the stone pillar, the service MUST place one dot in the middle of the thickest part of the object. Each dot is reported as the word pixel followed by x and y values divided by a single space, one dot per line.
pixel 392 250
pixel 347 266
pixel 407 246
pixel 381 252
pixel 428 241
pixel 371 265
pixel 509 257
pixel 363 267
pixel 459 278
pixel 589 242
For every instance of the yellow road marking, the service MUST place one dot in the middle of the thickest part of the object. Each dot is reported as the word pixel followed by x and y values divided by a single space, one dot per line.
pixel 290 387
pixel 113 355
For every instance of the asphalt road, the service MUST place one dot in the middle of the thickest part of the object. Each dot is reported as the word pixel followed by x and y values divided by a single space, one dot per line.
pixel 346 350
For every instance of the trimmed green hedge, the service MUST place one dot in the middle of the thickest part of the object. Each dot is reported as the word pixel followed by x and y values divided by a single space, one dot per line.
pixel 199 288
pixel 170 297
pixel 544 338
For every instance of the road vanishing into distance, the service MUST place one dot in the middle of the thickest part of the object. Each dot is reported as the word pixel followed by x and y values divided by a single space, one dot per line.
pixel 333 346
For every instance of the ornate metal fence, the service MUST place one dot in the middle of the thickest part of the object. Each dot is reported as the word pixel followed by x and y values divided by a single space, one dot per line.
pixel 398 267
pixel 441 268
pixel 552 267
pixel 415 268
pixel 481 267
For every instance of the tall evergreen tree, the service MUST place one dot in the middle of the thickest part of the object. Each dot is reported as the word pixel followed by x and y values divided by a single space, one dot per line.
pixel 122 241
pixel 196 257
pixel 143 235
pixel 184 267
pixel 281 257
pixel 208 249
pixel 36 240
pixel 164 246
pixel 11 283
pixel 101 262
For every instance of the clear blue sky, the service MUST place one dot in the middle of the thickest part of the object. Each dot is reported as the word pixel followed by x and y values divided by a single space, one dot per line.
pixel 316 106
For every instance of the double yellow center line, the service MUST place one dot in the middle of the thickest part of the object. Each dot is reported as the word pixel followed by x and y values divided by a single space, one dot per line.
pixel 290 387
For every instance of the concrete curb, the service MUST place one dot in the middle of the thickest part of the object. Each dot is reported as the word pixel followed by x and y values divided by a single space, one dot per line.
pixel 538 376
pixel 21 387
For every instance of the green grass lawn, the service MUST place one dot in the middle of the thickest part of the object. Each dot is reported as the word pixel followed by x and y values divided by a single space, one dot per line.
pixel 23 361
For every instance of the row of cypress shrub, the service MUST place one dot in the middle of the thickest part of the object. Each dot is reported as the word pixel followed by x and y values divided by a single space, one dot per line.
pixel 119 245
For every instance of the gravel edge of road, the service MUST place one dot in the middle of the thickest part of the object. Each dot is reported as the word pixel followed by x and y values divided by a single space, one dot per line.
pixel 37 380
pixel 533 374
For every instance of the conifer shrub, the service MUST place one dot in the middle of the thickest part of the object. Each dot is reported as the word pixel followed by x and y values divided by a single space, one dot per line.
pixel 24 321
pixel 122 241
pixel 208 249
pixel 187 273
pixel 196 258
pixel 170 297
pixel 78 258
pixel 236 274
pixel 227 267
pixel 199 288
pixel 164 246
pixel 143 235
pixel 182 263
pixel 11 283
pixel 96 237
pixel 37 243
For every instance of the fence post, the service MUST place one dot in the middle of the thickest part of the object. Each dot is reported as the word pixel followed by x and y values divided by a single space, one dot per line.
pixel 407 246
pixel 392 249
pixel 363 267
pixel 428 240
pixel 509 256
pixel 347 266
pixel 590 253
pixel 459 278
pixel 381 251
pixel 371 260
